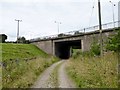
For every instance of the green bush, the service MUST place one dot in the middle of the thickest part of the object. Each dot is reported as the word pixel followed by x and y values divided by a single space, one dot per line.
pixel 95 48
pixel 113 43
pixel 76 53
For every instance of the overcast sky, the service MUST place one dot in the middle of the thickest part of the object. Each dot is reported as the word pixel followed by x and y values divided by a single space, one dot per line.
pixel 38 16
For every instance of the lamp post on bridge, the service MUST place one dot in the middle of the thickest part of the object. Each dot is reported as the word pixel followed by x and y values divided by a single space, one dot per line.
pixel 58 25
pixel 113 5
pixel 18 29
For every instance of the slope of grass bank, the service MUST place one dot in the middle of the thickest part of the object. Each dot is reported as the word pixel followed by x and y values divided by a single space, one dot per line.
pixel 22 64
pixel 94 72
pixel 20 51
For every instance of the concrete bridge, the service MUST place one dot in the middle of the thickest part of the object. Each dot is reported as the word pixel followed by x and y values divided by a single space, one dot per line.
pixel 61 46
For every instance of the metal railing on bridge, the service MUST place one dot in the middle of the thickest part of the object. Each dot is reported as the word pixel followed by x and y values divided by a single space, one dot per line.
pixel 107 26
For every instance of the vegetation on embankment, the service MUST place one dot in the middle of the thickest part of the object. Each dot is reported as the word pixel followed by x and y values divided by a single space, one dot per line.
pixel 90 70
pixel 22 64
pixel 94 72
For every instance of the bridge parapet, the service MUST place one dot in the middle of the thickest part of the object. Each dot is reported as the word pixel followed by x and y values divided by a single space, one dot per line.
pixel 84 31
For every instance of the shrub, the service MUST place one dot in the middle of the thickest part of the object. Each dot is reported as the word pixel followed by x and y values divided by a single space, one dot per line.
pixel 113 43
pixel 95 48
pixel 76 53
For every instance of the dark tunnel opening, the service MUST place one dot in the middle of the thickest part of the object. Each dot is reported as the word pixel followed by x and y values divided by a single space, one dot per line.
pixel 63 48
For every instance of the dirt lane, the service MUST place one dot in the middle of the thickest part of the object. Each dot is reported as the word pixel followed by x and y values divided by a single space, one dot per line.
pixel 63 79
pixel 45 81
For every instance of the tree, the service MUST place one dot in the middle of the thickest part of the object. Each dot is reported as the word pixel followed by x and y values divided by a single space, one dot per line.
pixel 61 35
pixel 113 43
pixel 3 37
pixel 77 32
pixel 21 40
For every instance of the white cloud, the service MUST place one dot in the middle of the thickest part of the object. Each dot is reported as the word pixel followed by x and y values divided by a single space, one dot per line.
pixel 26 1
pixel 38 16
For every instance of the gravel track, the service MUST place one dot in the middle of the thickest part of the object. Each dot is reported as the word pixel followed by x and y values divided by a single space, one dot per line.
pixel 63 80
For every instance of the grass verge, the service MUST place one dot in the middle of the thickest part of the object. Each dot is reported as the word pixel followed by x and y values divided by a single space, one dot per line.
pixel 94 72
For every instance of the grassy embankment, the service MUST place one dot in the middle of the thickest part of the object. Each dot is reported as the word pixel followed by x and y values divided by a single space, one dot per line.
pixel 94 72
pixel 22 64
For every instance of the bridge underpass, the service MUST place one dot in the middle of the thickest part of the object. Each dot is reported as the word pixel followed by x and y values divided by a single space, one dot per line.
pixel 63 49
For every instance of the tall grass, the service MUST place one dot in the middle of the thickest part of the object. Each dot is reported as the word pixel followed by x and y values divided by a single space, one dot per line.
pixel 94 72
pixel 22 64
pixel 24 74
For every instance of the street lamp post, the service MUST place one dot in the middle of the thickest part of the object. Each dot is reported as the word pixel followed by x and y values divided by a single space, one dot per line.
pixel 58 25
pixel 113 13
pixel 100 27
pixel 18 29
